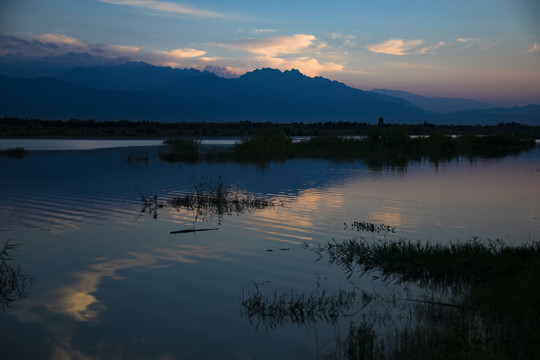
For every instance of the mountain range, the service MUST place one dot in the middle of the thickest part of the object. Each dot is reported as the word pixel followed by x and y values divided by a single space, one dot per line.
pixel 62 88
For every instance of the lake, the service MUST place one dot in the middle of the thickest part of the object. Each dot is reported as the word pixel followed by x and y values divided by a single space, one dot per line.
pixel 109 280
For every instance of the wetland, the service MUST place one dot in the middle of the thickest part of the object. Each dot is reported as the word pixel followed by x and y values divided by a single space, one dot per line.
pixel 124 252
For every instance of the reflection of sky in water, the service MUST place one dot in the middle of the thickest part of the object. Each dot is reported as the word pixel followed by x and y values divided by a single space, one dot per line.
pixel 112 280
pixel 67 144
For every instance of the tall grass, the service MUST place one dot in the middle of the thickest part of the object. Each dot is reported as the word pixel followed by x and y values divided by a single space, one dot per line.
pixel 491 306
pixel 13 280
pixel 478 300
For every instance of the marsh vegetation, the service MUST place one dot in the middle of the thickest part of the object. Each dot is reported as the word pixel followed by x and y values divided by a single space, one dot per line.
pixel 209 198
pixel 78 128
pixel 262 285
pixel 381 146
pixel 479 300
pixel 14 281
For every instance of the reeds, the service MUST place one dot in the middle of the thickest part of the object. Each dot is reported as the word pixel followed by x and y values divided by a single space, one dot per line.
pixel 482 299
pixel 181 150
pixel 219 199
pixel 209 198
pixel 13 280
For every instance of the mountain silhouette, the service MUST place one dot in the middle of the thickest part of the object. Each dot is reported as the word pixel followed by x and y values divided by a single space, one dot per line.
pixel 437 104
pixel 131 76
pixel 139 91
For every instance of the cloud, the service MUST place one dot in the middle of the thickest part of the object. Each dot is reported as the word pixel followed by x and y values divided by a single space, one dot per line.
pixel 60 44
pixel 223 71
pixel 344 39
pixel 60 39
pixel 467 40
pixel 479 43
pixel 298 51
pixel 209 58
pixel 264 30
pixel 429 49
pixel 395 46
pixel 312 67
pixel 534 47
pixel 271 47
pixel 41 45
pixel 124 48
pixel 169 8
pixel 182 53
pixel 306 65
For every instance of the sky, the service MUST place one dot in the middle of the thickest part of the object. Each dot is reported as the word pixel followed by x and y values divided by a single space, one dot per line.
pixel 487 50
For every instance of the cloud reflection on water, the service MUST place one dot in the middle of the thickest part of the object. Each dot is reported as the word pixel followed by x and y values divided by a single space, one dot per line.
pixel 79 299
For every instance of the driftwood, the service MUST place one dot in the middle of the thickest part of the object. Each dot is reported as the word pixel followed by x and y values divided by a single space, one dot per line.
pixel 190 230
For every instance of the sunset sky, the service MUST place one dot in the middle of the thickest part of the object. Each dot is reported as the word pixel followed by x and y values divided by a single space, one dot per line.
pixel 482 49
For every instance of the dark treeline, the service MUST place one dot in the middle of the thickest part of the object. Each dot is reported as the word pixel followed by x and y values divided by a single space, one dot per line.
pixel 22 127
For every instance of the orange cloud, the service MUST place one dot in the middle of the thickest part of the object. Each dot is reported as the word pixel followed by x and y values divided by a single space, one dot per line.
pixel 60 39
pixel 395 46
pixel 182 53
pixel 535 47
pixel 124 48
pixel 272 47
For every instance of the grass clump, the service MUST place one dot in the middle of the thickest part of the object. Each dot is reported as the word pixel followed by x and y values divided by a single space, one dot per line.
pixel 217 198
pixel 208 198
pixel 181 150
pixel 18 152
pixel 264 146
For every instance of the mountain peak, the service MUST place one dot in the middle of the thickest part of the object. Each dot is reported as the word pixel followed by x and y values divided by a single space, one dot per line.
pixel 294 72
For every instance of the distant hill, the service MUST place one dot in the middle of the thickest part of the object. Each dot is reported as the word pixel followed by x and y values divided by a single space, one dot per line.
pixel 129 91
pixel 131 76
pixel 437 104
pixel 528 114
pixel 105 89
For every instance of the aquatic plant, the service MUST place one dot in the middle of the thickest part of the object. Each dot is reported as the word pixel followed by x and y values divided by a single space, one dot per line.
pixel 488 302
pixel 218 199
pixel 181 150
pixel 136 157
pixel 370 227
pixel 13 280
pixel 151 205
pixel 209 199
pixel 18 152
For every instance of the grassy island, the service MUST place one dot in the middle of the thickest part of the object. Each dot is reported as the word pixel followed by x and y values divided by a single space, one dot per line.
pixel 393 145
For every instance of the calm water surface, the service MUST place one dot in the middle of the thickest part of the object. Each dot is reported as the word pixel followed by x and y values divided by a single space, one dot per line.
pixel 110 281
